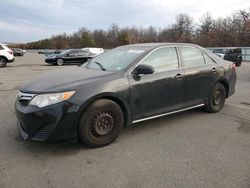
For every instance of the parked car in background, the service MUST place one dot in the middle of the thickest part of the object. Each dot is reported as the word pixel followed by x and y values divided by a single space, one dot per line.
pixel 49 52
pixel 230 54
pixel 52 52
pixel 17 52
pixel 96 51
pixel 78 56
pixel 220 52
pixel 125 85
pixel 234 55
pixel 6 55
pixel 41 52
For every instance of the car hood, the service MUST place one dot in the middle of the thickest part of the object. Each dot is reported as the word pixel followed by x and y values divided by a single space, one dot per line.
pixel 64 79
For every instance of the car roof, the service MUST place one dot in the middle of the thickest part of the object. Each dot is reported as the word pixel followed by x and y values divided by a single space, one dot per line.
pixel 156 45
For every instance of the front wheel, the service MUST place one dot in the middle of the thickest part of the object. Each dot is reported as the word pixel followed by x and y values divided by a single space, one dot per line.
pixel 101 123
pixel 3 62
pixel 216 99
pixel 59 62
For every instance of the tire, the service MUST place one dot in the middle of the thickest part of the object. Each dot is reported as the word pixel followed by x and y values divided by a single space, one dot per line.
pixel 238 62
pixel 3 62
pixel 216 99
pixel 60 62
pixel 101 123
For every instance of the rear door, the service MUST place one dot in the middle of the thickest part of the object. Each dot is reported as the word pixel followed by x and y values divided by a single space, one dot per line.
pixel 71 57
pixel 200 75
pixel 161 91
pixel 82 56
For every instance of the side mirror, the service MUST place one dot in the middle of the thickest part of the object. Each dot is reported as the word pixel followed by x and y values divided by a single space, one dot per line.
pixel 88 60
pixel 143 69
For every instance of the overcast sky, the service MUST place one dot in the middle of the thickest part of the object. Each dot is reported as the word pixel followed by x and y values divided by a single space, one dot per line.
pixel 30 20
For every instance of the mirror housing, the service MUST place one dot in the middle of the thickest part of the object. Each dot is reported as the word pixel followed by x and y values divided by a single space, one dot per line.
pixel 88 60
pixel 143 69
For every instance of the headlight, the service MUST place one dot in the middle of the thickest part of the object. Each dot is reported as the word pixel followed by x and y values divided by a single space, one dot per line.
pixel 49 99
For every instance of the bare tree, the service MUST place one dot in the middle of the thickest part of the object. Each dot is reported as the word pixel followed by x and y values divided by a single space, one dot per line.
pixel 234 30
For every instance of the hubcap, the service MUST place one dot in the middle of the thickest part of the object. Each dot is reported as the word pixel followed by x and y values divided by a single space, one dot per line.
pixel 102 124
pixel 60 62
pixel 217 98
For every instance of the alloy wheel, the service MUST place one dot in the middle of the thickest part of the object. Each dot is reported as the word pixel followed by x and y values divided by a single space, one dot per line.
pixel 59 62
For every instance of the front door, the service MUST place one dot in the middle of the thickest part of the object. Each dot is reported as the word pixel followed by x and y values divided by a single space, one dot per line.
pixel 160 92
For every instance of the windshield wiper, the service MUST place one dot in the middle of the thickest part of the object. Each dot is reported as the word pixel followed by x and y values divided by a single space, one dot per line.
pixel 100 65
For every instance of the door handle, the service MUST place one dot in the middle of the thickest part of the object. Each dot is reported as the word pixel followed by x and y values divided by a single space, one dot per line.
pixel 178 76
pixel 213 70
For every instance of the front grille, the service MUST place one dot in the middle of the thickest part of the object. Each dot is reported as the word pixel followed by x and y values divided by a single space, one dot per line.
pixel 25 98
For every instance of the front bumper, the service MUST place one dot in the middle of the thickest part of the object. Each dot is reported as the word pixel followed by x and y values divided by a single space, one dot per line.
pixel 10 60
pixel 50 61
pixel 53 123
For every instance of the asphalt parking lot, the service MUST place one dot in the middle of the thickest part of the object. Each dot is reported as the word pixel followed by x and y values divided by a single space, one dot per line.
pixel 189 149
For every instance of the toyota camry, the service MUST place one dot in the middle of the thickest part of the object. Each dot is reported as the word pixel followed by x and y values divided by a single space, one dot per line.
pixel 128 84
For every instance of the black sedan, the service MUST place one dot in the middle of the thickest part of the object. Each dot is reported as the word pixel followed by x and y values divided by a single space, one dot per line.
pixel 76 56
pixel 125 85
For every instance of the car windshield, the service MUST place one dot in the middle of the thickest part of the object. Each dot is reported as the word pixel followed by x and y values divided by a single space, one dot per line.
pixel 117 59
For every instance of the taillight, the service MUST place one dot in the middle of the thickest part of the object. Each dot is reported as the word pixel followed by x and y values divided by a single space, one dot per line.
pixel 10 52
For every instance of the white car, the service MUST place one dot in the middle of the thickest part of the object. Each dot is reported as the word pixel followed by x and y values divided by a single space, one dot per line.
pixel 95 51
pixel 6 55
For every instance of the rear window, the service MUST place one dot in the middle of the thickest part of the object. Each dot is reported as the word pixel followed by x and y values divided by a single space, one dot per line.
pixel 192 56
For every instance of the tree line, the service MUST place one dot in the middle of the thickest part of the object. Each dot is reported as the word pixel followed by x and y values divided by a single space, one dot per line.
pixel 234 30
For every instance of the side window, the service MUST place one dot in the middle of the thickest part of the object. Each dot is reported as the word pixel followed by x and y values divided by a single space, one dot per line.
pixel 162 59
pixel 192 56
pixel 1 48
pixel 73 52
pixel 208 59
pixel 81 53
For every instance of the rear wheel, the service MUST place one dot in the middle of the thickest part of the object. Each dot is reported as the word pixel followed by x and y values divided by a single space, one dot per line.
pixel 101 123
pixel 216 98
pixel 3 62
pixel 59 62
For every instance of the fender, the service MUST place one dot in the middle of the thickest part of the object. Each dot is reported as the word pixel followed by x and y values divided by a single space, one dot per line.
pixel 114 97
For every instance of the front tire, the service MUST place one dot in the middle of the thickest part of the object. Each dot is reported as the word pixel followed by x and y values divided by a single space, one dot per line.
pixel 101 123
pixel 59 62
pixel 216 99
pixel 3 62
